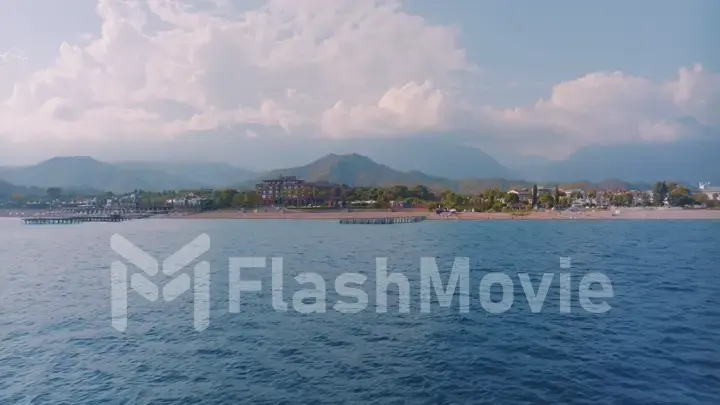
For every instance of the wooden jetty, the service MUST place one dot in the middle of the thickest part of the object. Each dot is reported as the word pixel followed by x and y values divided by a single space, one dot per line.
pixel 57 220
pixel 382 221
pixel 78 216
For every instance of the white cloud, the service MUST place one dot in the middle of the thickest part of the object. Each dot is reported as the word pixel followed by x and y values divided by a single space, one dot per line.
pixel 410 107
pixel 283 64
pixel 606 108
pixel 337 68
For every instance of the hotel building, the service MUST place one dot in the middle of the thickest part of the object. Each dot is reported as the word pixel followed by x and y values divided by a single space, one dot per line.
pixel 291 191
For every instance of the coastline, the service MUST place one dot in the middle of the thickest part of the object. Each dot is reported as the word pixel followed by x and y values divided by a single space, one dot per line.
pixel 650 214
pixel 336 215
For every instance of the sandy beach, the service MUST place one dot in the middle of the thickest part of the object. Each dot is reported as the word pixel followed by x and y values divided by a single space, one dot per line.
pixel 633 214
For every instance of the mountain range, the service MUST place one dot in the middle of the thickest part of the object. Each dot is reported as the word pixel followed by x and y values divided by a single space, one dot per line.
pixel 686 162
pixel 461 156
pixel 358 170
pixel 84 174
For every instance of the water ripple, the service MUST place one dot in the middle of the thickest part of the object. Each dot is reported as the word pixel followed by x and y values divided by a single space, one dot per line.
pixel 657 345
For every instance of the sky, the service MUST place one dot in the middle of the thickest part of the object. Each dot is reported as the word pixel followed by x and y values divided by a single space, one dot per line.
pixel 521 77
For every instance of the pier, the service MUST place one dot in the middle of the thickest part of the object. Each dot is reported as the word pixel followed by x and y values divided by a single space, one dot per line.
pixel 72 220
pixel 65 216
pixel 382 221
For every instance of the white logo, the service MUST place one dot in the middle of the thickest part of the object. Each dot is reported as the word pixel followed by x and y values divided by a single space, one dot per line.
pixel 141 284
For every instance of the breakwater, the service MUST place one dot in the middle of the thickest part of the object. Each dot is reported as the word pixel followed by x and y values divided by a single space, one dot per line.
pixel 382 221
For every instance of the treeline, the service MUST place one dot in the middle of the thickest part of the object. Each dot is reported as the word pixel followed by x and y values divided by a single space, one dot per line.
pixel 492 199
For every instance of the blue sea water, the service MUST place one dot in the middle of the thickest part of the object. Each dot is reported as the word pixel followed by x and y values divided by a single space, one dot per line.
pixel 658 344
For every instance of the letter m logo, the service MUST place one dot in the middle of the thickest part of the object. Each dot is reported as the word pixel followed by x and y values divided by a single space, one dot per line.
pixel 140 282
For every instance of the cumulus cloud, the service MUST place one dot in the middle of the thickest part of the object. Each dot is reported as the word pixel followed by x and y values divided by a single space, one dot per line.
pixel 614 107
pixel 334 68
pixel 283 64
pixel 410 107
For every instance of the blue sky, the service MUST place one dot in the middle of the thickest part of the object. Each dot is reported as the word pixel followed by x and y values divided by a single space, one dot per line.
pixel 557 39
pixel 546 68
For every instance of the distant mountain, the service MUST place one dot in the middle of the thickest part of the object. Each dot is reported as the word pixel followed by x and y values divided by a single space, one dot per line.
pixel 7 189
pixel 528 167
pixel 437 165
pixel 208 174
pixel 688 162
pixel 82 172
pixel 357 170
pixel 435 156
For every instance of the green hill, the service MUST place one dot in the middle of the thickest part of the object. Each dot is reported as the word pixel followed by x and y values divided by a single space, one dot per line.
pixel 82 172
pixel 357 170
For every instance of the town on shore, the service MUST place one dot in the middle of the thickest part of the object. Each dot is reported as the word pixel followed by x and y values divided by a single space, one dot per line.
pixel 297 195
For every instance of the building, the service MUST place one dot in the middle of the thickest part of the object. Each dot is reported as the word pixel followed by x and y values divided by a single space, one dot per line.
pixel 712 193
pixel 291 191
pixel 189 200
pixel 574 193
pixel 523 195
pixel 541 191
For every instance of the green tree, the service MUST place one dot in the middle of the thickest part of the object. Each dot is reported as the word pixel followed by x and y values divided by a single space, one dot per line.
pixel 700 198
pixel 680 196
pixel 534 195
pixel 449 199
pixel 623 199
pixel 547 200
pixel 422 193
pixel 511 199
pixel 660 192
pixel 54 192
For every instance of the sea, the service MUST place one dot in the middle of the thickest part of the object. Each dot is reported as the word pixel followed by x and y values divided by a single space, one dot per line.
pixel 193 330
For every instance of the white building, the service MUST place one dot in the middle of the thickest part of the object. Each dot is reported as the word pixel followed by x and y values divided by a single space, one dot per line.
pixel 713 193
pixel 189 200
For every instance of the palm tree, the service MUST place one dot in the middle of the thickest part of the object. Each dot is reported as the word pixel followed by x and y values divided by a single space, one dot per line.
pixel 344 189
pixel 313 195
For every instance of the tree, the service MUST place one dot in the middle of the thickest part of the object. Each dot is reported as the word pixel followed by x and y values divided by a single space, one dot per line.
pixel 449 199
pixel 421 192
pixel 547 200
pixel 224 198
pixel 54 193
pixel 557 195
pixel 534 195
pixel 511 199
pixel 680 196
pixel 623 199
pixel 660 192
pixel 491 196
pixel 238 199
pixel 497 206
pixel 700 198
pixel 401 192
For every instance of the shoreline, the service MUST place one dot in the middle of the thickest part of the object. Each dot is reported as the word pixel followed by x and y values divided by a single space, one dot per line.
pixel 628 214
pixel 699 214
